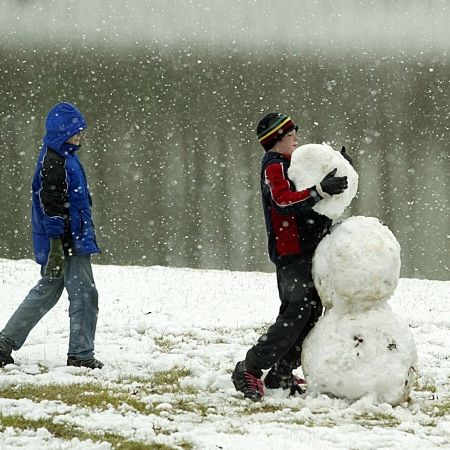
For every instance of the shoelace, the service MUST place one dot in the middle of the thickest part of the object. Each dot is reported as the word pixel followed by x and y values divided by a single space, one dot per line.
pixel 298 381
pixel 254 383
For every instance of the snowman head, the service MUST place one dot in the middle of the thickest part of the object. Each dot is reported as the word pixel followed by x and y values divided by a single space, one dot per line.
pixel 311 163
pixel 357 266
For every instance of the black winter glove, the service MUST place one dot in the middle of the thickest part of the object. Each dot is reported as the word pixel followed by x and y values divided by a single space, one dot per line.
pixel 346 155
pixel 332 185
pixel 55 263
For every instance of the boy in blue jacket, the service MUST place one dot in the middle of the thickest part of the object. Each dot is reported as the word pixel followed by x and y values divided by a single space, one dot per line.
pixel 63 241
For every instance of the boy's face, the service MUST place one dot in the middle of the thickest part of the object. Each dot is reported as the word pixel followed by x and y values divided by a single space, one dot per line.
pixel 75 139
pixel 287 145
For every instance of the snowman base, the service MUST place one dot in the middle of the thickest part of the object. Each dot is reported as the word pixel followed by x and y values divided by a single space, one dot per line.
pixel 364 353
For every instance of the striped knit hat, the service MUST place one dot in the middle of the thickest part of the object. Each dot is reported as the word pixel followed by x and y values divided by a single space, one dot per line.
pixel 272 127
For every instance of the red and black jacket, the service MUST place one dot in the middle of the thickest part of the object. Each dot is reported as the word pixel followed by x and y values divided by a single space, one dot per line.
pixel 293 227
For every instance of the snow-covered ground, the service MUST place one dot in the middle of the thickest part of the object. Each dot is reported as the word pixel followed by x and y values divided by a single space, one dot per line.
pixel 156 323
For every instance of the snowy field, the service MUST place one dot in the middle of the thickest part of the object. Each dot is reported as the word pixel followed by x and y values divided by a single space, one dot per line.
pixel 169 339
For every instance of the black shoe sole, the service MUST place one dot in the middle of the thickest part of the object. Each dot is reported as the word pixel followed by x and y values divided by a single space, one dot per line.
pixel 87 363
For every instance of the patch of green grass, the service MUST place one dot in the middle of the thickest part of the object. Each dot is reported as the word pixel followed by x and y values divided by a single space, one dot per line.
pixel 440 409
pixel 192 406
pixel 133 379
pixel 261 408
pixel 168 381
pixel 96 397
pixel 164 344
pixel 162 382
pixel 370 419
pixel 427 386
pixel 68 432
pixel 234 402
pixel 236 430
pixel 87 395
pixel 220 340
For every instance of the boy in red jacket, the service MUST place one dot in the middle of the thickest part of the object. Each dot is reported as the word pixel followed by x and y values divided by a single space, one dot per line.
pixel 294 230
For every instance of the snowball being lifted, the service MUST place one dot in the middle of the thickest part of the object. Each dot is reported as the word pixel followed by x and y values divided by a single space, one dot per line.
pixel 359 347
pixel 311 163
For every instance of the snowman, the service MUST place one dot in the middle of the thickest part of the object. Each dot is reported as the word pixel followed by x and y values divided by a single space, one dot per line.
pixel 359 347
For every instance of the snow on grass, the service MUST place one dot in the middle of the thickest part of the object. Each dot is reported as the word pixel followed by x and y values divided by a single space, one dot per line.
pixel 169 339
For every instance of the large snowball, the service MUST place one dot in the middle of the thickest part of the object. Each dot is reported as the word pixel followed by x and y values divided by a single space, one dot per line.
pixel 361 353
pixel 357 265
pixel 311 163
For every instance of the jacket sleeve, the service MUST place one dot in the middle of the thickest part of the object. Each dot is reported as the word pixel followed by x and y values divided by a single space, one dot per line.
pixel 284 199
pixel 53 193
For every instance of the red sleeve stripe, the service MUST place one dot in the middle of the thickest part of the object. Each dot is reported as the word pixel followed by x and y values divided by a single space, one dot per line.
pixel 280 189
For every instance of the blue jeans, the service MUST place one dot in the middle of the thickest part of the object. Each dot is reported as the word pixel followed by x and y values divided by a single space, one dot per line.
pixel 83 309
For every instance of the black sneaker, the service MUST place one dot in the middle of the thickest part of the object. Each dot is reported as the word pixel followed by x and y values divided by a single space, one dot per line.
pixel 295 384
pixel 5 358
pixel 298 386
pixel 247 382
pixel 89 363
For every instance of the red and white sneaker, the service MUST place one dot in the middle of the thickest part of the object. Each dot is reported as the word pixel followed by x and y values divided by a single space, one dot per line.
pixel 248 382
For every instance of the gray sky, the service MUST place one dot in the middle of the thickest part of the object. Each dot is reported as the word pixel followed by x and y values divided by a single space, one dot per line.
pixel 302 24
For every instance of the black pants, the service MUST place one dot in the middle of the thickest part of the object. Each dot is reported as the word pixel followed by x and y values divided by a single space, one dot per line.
pixel 300 309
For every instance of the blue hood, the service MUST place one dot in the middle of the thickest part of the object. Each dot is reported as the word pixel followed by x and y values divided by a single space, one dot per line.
pixel 63 121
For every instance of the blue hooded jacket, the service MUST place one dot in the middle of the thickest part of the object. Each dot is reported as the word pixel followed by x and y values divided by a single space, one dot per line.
pixel 61 203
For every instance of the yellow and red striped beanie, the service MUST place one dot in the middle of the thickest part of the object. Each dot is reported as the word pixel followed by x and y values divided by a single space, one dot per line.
pixel 272 127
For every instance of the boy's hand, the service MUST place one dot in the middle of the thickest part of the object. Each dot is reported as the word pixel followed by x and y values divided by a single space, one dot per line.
pixel 55 264
pixel 332 185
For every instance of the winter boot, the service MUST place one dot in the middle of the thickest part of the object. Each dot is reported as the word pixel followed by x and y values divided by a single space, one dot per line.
pixel 5 358
pixel 89 363
pixel 248 382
